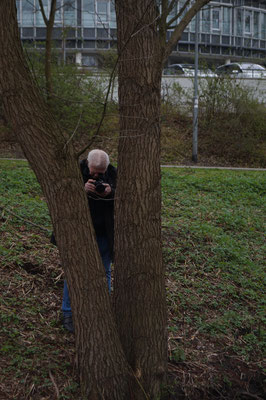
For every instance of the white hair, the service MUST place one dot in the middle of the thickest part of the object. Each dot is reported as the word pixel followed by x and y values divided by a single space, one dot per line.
pixel 98 158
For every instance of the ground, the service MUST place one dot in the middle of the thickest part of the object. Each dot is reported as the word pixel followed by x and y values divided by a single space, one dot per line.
pixel 37 355
pixel 213 249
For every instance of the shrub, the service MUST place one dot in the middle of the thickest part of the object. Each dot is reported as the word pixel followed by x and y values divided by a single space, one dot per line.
pixel 77 98
pixel 231 120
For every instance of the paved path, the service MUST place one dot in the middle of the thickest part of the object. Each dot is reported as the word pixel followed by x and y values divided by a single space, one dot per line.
pixel 176 166
pixel 202 167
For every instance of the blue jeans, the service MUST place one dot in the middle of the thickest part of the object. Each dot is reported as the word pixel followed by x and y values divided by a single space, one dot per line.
pixel 106 259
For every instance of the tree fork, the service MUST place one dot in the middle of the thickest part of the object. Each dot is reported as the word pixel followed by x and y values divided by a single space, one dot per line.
pixel 103 370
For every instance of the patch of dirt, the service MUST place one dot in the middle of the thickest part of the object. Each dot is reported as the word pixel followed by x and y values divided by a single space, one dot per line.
pixel 37 357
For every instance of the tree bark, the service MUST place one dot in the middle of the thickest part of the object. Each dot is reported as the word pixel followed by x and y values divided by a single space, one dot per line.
pixel 139 273
pixel 103 370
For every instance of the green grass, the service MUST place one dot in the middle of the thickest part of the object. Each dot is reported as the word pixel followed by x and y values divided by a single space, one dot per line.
pixel 214 250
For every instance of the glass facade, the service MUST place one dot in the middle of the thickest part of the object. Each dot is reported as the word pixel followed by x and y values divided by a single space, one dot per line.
pixel 227 27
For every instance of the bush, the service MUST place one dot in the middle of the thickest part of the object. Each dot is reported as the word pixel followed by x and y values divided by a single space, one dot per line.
pixel 231 120
pixel 77 98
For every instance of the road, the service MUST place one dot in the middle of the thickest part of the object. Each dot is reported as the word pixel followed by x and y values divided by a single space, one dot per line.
pixel 256 86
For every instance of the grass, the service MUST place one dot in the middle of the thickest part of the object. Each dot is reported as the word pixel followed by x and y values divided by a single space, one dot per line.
pixel 213 236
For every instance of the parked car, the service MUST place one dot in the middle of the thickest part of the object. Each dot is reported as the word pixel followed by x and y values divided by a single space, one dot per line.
pixel 242 70
pixel 186 70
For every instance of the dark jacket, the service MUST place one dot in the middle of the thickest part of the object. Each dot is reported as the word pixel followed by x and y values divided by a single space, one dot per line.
pixel 101 208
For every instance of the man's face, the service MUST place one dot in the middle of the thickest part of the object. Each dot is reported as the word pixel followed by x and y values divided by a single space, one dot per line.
pixel 95 171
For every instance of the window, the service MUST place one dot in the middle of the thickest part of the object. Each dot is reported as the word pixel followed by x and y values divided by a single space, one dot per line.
pixel 69 12
pixel 184 37
pixel 263 26
pixel 71 44
pixel 101 12
pixel 102 45
pixel 89 44
pixel 89 32
pixel 102 33
pixel 181 5
pixel 206 20
pixel 239 22
pixel 70 33
pixel 112 14
pixel 226 50
pixel 226 40
pixel 40 33
pixel 27 32
pixel 27 13
pixel 205 38
pixel 215 39
pixel 113 33
pixel 89 61
pixel 215 50
pixel 255 44
pixel 226 20
pixel 247 21
pixel 173 12
pixel 18 10
pixel 216 19
pixel 57 33
pixel 88 13
pixel 193 24
pixel 256 24
pixel 58 13
pixel 39 18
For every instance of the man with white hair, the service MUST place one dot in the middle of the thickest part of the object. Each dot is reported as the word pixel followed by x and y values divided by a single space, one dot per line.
pixel 99 178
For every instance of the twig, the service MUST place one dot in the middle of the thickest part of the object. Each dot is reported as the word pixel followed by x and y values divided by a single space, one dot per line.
pixel 55 385
pixel 23 219
pixel 252 396
pixel 73 134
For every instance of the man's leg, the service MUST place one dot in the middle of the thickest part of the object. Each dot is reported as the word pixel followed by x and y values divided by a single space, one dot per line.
pixel 106 260
pixel 66 308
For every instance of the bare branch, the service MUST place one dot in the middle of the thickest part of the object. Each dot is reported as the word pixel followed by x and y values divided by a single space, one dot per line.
pixel 73 134
pixel 4 209
pixel 171 5
pixel 175 18
pixel 182 25
pixel 43 13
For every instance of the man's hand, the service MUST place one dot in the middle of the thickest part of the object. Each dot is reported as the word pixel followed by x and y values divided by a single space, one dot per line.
pixel 90 187
pixel 107 190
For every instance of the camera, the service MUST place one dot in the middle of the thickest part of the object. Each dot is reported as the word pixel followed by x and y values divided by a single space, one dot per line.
pixel 99 186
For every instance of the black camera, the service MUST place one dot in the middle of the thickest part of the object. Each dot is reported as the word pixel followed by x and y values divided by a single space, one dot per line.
pixel 99 185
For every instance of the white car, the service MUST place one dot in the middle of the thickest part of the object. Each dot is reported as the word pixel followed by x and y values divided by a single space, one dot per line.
pixel 242 70
pixel 186 70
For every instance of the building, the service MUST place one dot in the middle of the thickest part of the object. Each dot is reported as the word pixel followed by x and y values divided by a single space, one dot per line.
pixel 229 29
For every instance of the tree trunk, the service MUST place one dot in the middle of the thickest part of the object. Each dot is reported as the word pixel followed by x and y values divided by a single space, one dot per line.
pixel 103 370
pixel 139 274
